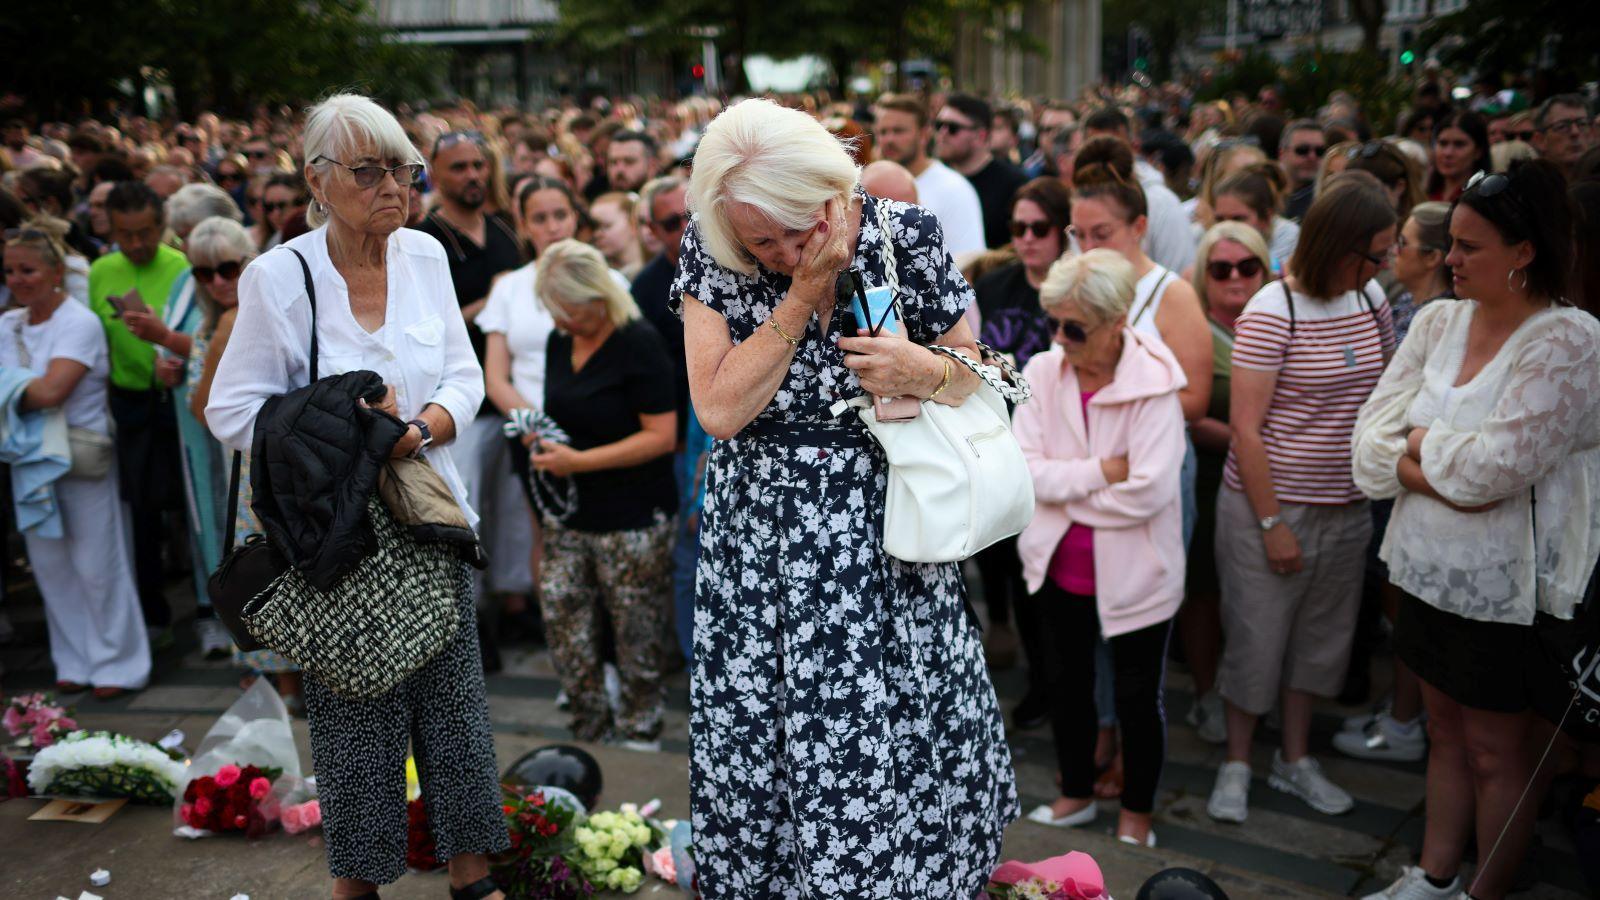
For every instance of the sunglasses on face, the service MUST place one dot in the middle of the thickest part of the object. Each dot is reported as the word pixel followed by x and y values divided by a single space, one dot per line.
pixel 451 138
pixel 950 126
pixel 228 178
pixel 1072 332
pixel 228 270
pixel 1222 270
pixel 368 176
pixel 257 154
pixel 670 223
pixel 1309 149
pixel 1526 136
pixel 1039 229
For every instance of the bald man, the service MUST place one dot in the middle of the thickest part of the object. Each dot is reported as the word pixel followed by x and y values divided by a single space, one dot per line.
pixel 889 180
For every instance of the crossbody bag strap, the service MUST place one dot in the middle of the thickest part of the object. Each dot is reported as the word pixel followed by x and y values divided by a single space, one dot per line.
pixel 1149 298
pixel 1288 297
pixel 238 457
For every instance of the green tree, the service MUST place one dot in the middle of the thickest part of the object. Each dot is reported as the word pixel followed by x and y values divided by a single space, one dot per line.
pixel 1169 24
pixel 1494 36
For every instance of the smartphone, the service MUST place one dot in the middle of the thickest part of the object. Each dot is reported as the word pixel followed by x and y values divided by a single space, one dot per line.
pixel 132 301
pixel 873 309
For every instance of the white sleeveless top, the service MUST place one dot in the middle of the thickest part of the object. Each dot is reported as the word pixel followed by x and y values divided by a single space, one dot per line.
pixel 1147 294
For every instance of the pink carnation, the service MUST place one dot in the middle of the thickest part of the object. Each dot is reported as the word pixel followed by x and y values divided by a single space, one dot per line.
pixel 260 788
pixel 13 721
pixel 661 862
pixel 227 776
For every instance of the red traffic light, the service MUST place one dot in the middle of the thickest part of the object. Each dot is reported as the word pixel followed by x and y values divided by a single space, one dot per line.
pixel 698 71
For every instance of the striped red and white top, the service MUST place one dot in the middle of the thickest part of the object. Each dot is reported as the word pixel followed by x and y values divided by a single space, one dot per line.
pixel 1326 368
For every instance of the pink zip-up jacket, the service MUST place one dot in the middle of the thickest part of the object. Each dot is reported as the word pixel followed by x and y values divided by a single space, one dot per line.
pixel 1138 523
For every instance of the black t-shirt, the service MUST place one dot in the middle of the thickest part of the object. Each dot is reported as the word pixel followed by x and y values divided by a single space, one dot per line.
pixel 652 288
pixel 473 267
pixel 996 183
pixel 600 404
pixel 1295 207
pixel 1013 320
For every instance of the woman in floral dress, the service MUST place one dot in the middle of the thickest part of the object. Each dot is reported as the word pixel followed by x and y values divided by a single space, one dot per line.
pixel 846 740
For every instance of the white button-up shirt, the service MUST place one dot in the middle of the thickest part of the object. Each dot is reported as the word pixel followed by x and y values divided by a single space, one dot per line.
pixel 421 349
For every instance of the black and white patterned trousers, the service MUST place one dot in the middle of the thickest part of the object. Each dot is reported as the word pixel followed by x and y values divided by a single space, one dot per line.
pixel 359 748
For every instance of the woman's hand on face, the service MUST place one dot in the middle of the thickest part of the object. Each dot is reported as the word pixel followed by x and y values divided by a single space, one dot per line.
pixel 145 326
pixel 824 255
pixel 1283 550
pixel 557 459
pixel 169 371
pixel 892 366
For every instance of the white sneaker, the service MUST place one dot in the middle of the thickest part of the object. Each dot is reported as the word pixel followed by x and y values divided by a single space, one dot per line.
pixel 1413 885
pixel 613 687
pixel 1361 721
pixel 1305 780
pixel 1385 739
pixel 1230 796
pixel 215 642
pixel 1045 816
pixel 1209 718
pixel 1149 839
pixel 639 746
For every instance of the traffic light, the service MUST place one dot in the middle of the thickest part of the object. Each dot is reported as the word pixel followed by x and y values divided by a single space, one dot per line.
pixel 1407 57
pixel 698 71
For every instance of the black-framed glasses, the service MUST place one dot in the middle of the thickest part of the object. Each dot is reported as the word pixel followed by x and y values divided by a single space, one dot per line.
pixel 1375 259
pixel 951 126
pixel 451 138
pixel 228 270
pixel 670 223
pixel 368 176
pixel 280 205
pixel 1040 229
pixel 1568 126
pixel 1222 270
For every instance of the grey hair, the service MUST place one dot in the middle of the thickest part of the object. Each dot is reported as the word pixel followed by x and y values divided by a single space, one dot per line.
pixel 780 161
pixel 194 203
pixel 1101 281
pixel 215 240
pixel 654 188
pixel 343 123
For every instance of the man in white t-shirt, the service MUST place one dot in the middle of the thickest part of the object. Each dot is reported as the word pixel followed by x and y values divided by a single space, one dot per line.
pixel 1169 241
pixel 901 133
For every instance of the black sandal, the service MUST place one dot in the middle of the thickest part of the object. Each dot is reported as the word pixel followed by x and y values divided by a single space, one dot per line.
pixel 477 890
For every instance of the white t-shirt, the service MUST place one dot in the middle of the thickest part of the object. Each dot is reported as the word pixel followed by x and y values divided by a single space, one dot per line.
pixel 72 332
pixel 514 310
pixel 950 196
pixel 1168 240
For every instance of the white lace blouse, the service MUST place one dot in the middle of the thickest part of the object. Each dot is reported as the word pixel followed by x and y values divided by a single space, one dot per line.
pixel 1525 431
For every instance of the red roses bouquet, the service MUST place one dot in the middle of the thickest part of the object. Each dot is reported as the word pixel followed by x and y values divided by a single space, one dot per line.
pixel 542 840
pixel 234 799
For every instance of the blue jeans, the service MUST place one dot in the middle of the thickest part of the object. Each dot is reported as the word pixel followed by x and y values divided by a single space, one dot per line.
pixel 685 559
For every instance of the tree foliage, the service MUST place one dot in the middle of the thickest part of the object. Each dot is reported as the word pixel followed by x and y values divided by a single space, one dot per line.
pixel 1168 23
pixel 1499 36
pixel 214 54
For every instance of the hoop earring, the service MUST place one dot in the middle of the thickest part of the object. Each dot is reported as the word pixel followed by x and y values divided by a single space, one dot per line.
pixel 1524 288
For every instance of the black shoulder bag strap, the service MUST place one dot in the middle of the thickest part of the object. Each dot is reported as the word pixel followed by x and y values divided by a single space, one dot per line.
pixel 238 457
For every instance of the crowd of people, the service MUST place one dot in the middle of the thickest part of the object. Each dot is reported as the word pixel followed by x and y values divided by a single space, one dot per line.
pixel 1290 374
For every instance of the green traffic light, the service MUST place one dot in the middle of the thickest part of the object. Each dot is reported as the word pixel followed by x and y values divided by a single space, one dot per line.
pixel 1407 57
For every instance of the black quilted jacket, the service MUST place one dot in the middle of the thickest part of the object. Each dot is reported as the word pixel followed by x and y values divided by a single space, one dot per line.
pixel 314 462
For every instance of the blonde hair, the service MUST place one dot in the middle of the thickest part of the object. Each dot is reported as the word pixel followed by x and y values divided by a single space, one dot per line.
pixel 48 236
pixel 572 272
pixel 1503 154
pixel 1241 234
pixel 780 161
pixel 342 123
pixel 1101 281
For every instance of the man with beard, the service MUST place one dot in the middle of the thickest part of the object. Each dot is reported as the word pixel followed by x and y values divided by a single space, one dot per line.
pixel 479 247
pixel 901 132
pixel 631 160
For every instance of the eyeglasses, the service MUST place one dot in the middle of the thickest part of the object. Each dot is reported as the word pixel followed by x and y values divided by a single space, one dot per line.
pixel 257 154
pixel 451 138
pixel 368 176
pixel 1525 136
pixel 950 126
pixel 1040 229
pixel 1568 126
pixel 1375 259
pixel 30 234
pixel 670 223
pixel 1309 149
pixel 1222 270
pixel 229 178
pixel 280 205
pixel 228 270
pixel 1072 331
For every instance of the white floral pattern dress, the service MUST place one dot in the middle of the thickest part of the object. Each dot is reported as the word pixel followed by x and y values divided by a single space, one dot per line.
pixel 845 737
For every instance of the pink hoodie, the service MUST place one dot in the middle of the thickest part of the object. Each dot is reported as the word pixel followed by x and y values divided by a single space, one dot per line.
pixel 1138 523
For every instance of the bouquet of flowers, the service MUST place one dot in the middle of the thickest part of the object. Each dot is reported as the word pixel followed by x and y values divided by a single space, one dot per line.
pixel 612 847
pixel 105 765
pixel 1071 876
pixel 543 836
pixel 421 853
pixel 234 799
pixel 35 722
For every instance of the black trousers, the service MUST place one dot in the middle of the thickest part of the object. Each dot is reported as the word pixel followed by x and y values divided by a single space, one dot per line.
pixel 150 476
pixel 1070 627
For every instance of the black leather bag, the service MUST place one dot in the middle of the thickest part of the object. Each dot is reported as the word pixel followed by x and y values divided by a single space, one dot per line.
pixel 250 569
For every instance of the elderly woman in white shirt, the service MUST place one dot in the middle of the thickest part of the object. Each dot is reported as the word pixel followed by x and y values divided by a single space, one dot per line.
pixel 385 304
pixel 1486 427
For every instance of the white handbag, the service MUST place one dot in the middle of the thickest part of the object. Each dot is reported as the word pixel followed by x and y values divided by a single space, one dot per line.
pixel 957 479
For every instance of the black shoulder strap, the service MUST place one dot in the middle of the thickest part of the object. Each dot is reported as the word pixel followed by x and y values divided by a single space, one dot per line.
pixel 238 457
pixel 1288 297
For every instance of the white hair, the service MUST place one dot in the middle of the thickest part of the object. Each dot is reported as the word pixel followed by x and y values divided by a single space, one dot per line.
pixel 218 239
pixel 194 203
pixel 780 161
pixel 344 123
pixel 1101 281
pixel 571 272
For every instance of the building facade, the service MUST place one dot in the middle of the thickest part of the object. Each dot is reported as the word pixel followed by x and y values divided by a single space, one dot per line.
pixel 1067 62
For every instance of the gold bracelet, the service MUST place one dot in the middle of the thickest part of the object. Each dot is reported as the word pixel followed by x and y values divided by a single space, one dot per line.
pixel 946 382
pixel 793 342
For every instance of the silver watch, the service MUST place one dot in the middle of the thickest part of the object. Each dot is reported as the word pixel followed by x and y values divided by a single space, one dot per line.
pixel 1268 523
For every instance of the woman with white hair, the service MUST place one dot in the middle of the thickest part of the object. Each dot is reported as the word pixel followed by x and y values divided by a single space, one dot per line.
pixel 846 741
pixel 385 303
pixel 607 540
pixel 1104 554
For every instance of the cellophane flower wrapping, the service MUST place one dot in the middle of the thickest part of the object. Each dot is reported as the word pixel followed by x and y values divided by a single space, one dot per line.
pixel 253 733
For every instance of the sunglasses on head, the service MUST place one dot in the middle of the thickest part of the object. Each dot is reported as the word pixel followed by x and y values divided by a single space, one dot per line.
pixel 368 176
pixel 670 223
pixel 1310 149
pixel 1365 151
pixel 1222 270
pixel 32 234
pixel 1039 229
pixel 451 138
pixel 950 126
pixel 228 270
